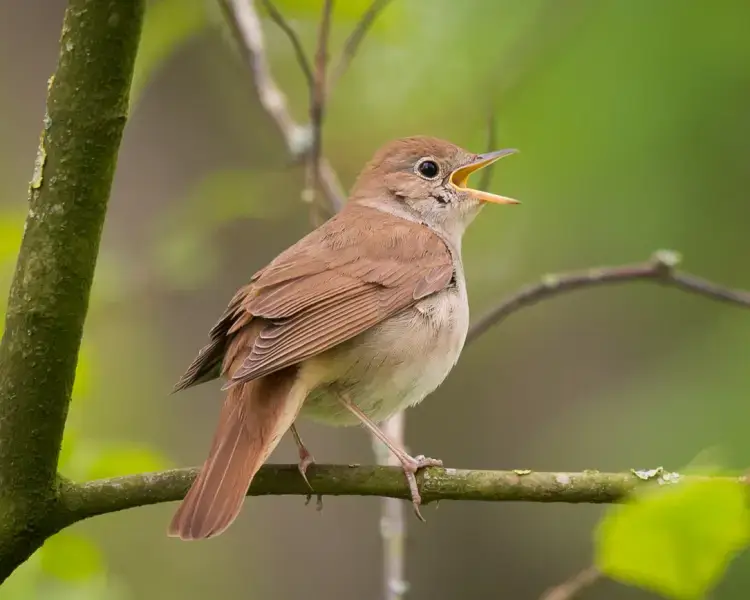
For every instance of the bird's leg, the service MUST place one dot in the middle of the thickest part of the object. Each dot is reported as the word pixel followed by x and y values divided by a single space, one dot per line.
pixel 410 464
pixel 305 460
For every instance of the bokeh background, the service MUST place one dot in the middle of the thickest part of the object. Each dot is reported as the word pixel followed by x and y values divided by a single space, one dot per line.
pixel 633 121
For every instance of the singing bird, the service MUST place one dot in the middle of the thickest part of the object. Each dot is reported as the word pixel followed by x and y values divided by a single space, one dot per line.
pixel 361 318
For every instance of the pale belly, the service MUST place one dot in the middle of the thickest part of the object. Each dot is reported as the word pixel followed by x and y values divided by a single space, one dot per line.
pixel 391 366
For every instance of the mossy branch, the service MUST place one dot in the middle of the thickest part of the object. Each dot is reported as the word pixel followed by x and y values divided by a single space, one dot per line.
pixel 87 106
pixel 84 500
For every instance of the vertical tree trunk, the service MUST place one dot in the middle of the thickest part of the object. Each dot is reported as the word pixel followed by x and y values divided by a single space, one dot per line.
pixel 87 107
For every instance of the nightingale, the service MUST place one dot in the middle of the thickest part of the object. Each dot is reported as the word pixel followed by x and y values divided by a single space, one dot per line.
pixel 361 318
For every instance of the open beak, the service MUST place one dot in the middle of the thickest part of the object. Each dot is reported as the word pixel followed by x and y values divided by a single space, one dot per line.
pixel 460 177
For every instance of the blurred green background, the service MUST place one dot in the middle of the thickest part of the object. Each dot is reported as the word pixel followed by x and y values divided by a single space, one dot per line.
pixel 632 118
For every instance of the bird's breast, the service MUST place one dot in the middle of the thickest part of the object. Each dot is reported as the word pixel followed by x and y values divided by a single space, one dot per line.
pixel 393 365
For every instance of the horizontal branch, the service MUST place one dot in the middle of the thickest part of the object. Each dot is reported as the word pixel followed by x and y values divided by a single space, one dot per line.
pixel 83 500
pixel 661 269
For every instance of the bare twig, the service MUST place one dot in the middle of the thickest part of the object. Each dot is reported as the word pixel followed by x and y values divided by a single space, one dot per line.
pixel 246 27
pixel 393 518
pixel 243 19
pixel 299 50
pixel 318 103
pixel 354 41
pixel 573 587
pixel 660 269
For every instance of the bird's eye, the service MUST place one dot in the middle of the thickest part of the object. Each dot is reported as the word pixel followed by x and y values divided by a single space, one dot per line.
pixel 428 169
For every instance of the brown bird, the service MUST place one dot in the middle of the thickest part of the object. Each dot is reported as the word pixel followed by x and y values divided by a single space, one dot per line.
pixel 364 316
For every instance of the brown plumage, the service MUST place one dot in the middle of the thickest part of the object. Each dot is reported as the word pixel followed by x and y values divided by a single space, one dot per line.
pixel 254 417
pixel 305 333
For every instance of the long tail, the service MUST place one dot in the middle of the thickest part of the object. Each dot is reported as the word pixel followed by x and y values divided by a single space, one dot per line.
pixel 254 417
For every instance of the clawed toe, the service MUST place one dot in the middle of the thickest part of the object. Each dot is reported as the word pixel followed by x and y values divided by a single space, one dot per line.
pixel 411 465
pixel 318 501
pixel 304 463
pixel 422 462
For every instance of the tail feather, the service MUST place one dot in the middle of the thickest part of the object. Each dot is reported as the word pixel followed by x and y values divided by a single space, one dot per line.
pixel 253 419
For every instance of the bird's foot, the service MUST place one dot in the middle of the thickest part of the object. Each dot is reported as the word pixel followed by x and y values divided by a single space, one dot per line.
pixel 318 501
pixel 411 465
pixel 305 460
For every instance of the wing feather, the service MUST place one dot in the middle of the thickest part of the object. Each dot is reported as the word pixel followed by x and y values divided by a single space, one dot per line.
pixel 353 272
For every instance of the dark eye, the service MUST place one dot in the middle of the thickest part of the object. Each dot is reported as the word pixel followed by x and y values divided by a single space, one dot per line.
pixel 428 169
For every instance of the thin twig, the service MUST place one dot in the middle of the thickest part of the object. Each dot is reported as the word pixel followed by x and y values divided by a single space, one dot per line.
pixel 393 518
pixel 246 27
pixel 660 269
pixel 248 33
pixel 318 104
pixel 573 587
pixel 299 50
pixel 355 39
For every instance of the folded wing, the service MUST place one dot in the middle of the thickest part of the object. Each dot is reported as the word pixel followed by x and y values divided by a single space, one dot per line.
pixel 355 271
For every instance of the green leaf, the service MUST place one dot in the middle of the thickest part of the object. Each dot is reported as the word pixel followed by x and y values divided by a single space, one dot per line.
pixel 169 24
pixel 125 459
pixel 676 540
pixel 71 557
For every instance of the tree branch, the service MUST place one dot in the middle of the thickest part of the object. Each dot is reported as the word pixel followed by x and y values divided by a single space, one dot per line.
pixel 299 50
pixel 81 501
pixel 660 269
pixel 84 500
pixel 318 104
pixel 245 23
pixel 87 106
pixel 248 33
pixel 355 39
pixel 575 586
pixel 393 517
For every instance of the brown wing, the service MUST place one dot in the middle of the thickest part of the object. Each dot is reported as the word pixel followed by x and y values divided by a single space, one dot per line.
pixel 353 272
